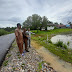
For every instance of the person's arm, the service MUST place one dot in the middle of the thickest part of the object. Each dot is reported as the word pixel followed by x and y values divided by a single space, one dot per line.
pixel 32 33
pixel 27 34
pixel 16 34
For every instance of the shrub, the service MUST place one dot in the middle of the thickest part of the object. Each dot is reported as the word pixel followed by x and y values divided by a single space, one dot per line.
pixel 3 32
pixel 49 41
pixel 65 46
pixel 59 44
pixel 5 63
pixel 68 43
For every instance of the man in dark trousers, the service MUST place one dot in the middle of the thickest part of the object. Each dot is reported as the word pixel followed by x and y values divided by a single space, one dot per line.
pixel 25 38
pixel 19 38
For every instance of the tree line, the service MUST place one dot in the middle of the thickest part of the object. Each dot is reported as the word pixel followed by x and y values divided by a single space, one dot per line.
pixel 36 22
pixel 9 29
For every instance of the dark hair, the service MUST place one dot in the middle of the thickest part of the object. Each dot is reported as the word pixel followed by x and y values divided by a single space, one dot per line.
pixel 18 24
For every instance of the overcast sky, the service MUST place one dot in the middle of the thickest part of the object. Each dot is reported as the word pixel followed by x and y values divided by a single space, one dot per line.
pixel 14 11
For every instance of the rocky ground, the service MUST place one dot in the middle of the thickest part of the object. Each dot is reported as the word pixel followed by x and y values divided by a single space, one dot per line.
pixel 30 62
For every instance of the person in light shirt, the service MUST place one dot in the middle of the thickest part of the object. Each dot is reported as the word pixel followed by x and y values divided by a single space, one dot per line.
pixel 29 37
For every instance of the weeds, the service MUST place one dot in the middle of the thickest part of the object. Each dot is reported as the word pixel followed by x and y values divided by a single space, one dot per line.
pixel 14 69
pixel 5 63
pixel 19 57
pixel 22 65
pixel 59 48
pixel 65 46
pixel 68 43
pixel 39 67
pixel 59 44
pixel 49 41
pixel 8 55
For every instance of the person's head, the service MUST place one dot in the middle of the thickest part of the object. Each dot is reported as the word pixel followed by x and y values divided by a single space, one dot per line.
pixel 25 29
pixel 28 29
pixel 19 25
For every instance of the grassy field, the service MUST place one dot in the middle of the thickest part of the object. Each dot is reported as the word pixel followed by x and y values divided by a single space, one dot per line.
pixel 58 49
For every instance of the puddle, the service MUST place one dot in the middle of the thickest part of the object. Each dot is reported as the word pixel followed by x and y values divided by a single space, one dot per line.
pixel 64 38
pixel 55 62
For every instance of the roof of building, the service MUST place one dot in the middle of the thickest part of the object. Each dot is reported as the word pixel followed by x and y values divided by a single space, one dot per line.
pixel 61 25
pixel 50 24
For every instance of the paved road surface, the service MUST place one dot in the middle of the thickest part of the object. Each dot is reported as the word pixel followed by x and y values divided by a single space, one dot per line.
pixel 5 43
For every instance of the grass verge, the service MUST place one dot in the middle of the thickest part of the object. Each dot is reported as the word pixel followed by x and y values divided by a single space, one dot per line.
pixel 58 49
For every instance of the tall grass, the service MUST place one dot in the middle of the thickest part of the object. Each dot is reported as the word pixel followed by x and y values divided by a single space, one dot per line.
pixel 60 44
pixel 59 49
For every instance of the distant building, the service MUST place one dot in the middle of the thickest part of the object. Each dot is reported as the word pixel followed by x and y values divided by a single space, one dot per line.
pixel 61 26
pixel 68 26
pixel 71 26
pixel 43 28
pixel 50 26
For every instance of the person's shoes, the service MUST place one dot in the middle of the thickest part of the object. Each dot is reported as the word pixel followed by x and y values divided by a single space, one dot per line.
pixel 29 46
pixel 26 50
pixel 22 54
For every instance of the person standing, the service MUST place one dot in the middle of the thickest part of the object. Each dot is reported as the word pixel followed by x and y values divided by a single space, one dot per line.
pixel 19 38
pixel 25 38
pixel 29 38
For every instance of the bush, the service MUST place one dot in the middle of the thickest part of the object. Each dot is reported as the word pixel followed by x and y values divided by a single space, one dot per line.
pixel 5 63
pixel 68 43
pixel 65 46
pixel 59 44
pixel 3 32
pixel 49 41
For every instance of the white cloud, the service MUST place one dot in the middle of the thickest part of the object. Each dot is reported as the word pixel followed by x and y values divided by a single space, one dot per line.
pixel 12 11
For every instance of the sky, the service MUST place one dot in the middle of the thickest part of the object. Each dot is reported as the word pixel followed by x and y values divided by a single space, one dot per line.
pixel 16 11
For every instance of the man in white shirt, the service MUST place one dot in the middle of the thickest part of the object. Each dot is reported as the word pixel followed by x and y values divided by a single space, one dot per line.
pixel 29 37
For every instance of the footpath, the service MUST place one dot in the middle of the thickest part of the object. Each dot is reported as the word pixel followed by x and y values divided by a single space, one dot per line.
pixel 30 62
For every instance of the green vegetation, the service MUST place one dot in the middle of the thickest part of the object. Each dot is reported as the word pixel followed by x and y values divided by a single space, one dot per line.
pixel 59 48
pixel 3 32
pixel 14 69
pixel 55 31
pixel 9 55
pixel 7 30
pixel 49 41
pixel 5 63
pixel 40 65
pixel 36 22
pixel 68 43
pixel 22 65
pixel 59 44
pixel 65 46
pixel 19 57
